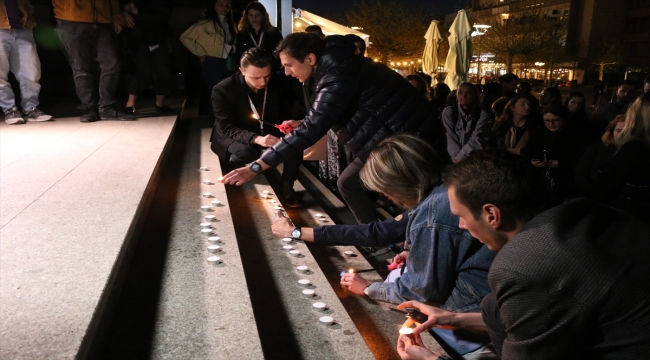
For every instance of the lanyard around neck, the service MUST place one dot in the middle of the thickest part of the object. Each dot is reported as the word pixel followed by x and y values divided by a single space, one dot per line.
pixel 257 115
pixel 261 39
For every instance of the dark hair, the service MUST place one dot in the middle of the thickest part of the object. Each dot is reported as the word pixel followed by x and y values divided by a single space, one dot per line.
pixel 491 92
pixel 629 83
pixel 501 178
pixel 581 112
pixel 299 45
pixel 508 78
pixel 476 102
pixel 315 29
pixel 525 86
pixel 356 40
pixel 440 93
pixel 499 105
pixel 557 110
pixel 422 86
pixel 245 26
pixel 257 57
pixel 555 93
pixel 646 80
pixel 211 13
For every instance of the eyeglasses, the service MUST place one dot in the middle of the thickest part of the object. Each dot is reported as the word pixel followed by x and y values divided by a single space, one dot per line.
pixel 554 121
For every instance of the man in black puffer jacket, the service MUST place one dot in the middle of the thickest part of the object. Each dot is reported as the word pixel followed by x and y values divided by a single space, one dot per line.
pixel 362 101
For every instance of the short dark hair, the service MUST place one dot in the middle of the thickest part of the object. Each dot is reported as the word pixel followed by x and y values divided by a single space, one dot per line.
pixel 557 110
pixel 629 82
pixel 646 80
pixel 508 78
pixel 501 178
pixel 525 85
pixel 299 45
pixel 257 57
pixel 356 39
pixel 315 29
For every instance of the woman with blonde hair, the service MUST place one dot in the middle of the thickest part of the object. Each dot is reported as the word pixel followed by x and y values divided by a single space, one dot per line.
pixel 445 265
pixel 625 179
pixel 513 130
pixel 255 30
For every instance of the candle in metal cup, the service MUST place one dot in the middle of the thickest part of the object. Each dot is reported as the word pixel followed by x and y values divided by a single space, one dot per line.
pixel 327 320
pixel 294 252
pixel 319 306
pixel 204 168
pixel 287 247
pixel 206 232
pixel 214 260
pixel 302 268
pixel 216 202
pixel 214 248
pixel 207 195
pixel 287 240
pixel 304 282
pixel 214 239
pixel 210 217
pixel 207 181
pixel 278 208
pixel 308 292
pixel 348 253
pixel 206 207
pixel 206 225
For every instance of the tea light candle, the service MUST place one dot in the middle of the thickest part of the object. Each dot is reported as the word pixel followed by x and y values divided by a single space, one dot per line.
pixel 349 253
pixel 277 208
pixel 294 252
pixel 320 306
pixel 207 181
pixel 214 260
pixel 304 282
pixel 214 248
pixel 272 201
pixel 207 195
pixel 214 239
pixel 302 268
pixel 206 207
pixel 210 217
pixel 206 232
pixel 216 203
pixel 287 240
pixel 206 225
pixel 287 247
pixel 318 215
pixel 308 292
pixel 220 178
pixel 263 196
pixel 265 192
pixel 204 168
pixel 327 320
pixel 322 219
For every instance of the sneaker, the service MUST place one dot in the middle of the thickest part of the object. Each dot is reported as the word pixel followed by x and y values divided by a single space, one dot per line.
pixel 13 116
pixel 36 114
pixel 90 115
pixel 114 114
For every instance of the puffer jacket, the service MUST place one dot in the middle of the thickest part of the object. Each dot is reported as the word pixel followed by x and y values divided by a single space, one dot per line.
pixel 88 11
pixel 27 20
pixel 362 101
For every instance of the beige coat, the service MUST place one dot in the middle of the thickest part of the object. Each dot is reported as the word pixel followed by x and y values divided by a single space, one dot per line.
pixel 204 38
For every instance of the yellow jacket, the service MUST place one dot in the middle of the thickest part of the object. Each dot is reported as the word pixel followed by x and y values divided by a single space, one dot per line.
pixel 204 38
pixel 88 11
pixel 27 19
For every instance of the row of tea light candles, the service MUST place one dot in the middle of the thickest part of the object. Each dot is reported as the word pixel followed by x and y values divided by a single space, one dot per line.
pixel 206 227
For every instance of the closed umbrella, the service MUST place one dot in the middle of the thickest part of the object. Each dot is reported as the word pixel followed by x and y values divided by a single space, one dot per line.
pixel 430 55
pixel 460 51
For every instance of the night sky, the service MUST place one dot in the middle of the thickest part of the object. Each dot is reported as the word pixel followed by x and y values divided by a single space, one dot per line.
pixel 335 9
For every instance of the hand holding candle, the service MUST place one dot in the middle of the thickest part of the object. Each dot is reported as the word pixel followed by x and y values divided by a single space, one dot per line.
pixel 354 283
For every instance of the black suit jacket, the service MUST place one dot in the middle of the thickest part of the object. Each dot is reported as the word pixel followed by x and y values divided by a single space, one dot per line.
pixel 234 117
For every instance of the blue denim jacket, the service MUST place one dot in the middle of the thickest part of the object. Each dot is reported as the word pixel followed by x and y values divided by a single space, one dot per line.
pixel 446 266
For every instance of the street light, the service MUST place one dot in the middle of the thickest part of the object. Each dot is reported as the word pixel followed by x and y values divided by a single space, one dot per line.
pixel 556 28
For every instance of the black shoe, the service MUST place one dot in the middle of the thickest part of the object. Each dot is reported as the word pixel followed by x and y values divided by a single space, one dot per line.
pixel 129 110
pixel 90 115
pixel 289 197
pixel 114 114
pixel 164 109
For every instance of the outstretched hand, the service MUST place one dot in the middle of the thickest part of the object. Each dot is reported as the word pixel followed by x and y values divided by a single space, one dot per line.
pixel 437 317
pixel 238 176
pixel 282 226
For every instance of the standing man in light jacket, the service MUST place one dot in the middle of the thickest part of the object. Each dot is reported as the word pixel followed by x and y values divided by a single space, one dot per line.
pixel 362 101
pixel 88 31
pixel 18 55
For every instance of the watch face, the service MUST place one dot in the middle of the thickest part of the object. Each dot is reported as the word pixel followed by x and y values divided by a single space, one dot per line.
pixel 255 167
pixel 296 233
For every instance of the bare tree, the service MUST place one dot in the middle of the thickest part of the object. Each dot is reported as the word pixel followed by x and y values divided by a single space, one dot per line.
pixel 395 31
pixel 609 53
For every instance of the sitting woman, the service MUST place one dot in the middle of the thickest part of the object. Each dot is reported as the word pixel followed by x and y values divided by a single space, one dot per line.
pixel 513 130
pixel 445 264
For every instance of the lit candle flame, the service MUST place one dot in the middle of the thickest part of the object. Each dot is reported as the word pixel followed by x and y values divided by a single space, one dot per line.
pixel 406 331
pixel 255 117
pixel 351 271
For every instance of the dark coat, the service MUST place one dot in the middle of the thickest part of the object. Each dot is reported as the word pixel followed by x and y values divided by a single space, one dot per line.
pixel 234 117
pixel 270 40
pixel 362 101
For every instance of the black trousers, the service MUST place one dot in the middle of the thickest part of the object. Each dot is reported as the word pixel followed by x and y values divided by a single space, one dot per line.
pixel 241 155
pixel 355 195
pixel 148 63
pixel 492 319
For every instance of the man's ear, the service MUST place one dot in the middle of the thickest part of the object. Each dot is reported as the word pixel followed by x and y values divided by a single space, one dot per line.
pixel 311 59
pixel 492 215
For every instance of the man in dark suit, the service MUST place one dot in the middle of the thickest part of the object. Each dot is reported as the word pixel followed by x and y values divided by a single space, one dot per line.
pixel 239 101
pixel 570 282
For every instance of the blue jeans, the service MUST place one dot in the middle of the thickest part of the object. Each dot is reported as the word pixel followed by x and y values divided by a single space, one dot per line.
pixel 19 56
pixel 85 44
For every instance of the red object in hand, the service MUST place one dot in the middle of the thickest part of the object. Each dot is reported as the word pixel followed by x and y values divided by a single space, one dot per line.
pixel 393 266
pixel 284 128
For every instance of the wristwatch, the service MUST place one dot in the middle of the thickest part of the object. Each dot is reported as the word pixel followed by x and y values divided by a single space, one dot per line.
pixel 296 233
pixel 255 167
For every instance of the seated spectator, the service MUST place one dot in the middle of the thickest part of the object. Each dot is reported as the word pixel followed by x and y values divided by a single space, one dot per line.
pixel 440 93
pixel 499 105
pixel 575 103
pixel 315 29
pixel 508 84
pixel 255 30
pixel 490 92
pixel 625 179
pixel 607 111
pixel 421 85
pixel 588 167
pixel 550 95
pixel 555 151
pixel 467 125
pixel 513 130
pixel 359 44
pixel 524 88
pixel 444 265
pixel 568 282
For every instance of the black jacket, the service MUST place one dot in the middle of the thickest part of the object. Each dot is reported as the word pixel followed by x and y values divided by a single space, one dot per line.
pixel 362 101
pixel 234 117
pixel 271 39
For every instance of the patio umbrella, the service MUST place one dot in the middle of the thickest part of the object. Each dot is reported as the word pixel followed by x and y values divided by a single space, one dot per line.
pixel 430 55
pixel 460 51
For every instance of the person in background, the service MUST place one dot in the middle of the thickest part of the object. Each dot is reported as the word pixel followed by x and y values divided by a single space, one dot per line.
pixel 524 88
pixel 607 111
pixel 88 30
pixel 467 125
pixel 588 167
pixel 150 48
pixel 490 92
pixel 440 93
pixel 508 84
pixel 646 84
pixel 421 85
pixel 625 179
pixel 576 103
pixel 212 40
pixel 315 29
pixel 18 55
pixel 359 44
pixel 255 30
pixel 514 129
pixel 548 96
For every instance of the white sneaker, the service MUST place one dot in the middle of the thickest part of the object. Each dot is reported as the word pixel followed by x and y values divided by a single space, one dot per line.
pixel 36 114
pixel 13 116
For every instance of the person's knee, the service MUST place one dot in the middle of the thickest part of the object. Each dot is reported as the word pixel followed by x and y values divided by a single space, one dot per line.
pixel 243 156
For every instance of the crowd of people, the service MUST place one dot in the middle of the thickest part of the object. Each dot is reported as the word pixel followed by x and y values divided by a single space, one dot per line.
pixel 525 220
